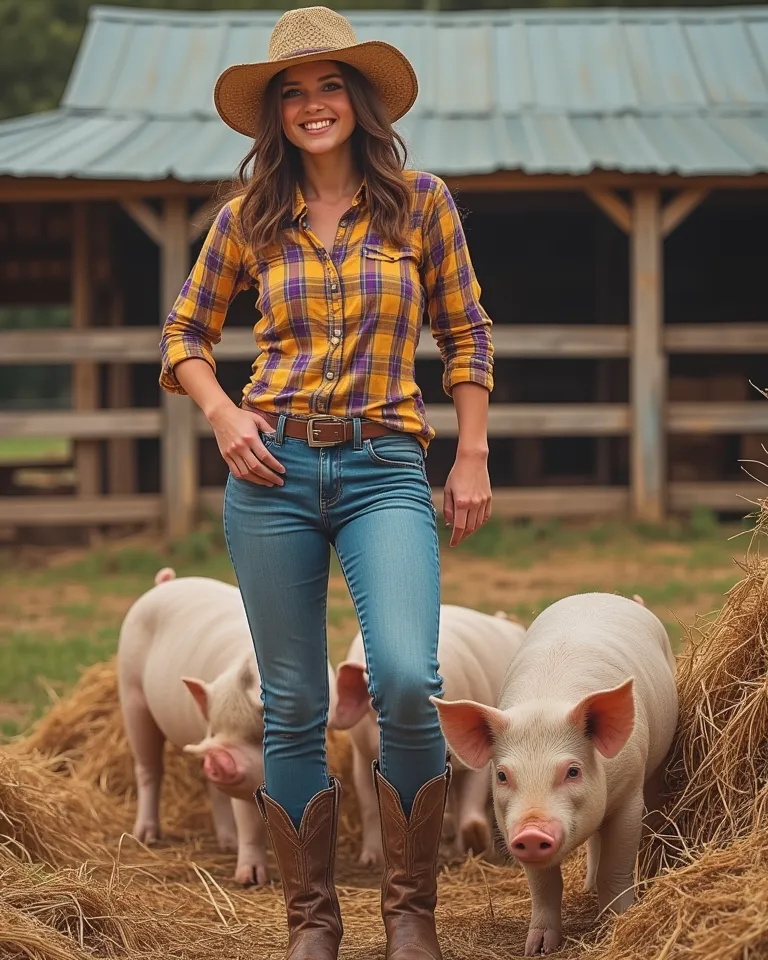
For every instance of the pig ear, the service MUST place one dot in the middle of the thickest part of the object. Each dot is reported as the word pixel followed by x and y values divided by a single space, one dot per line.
pixel 249 683
pixel 607 717
pixel 470 729
pixel 352 697
pixel 199 691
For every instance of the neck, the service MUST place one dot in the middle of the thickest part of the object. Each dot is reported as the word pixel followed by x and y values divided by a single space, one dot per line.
pixel 330 177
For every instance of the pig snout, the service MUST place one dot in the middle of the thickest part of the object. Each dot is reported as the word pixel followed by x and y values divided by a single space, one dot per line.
pixel 221 767
pixel 536 842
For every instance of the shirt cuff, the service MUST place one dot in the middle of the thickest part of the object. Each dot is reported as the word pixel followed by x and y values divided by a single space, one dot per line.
pixel 467 371
pixel 168 380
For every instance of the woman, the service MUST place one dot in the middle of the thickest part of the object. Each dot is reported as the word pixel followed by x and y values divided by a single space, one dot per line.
pixel 346 250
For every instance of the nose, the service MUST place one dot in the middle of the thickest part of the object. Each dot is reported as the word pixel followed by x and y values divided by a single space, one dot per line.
pixel 536 842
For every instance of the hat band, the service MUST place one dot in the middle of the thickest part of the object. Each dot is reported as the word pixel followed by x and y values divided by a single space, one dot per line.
pixel 304 52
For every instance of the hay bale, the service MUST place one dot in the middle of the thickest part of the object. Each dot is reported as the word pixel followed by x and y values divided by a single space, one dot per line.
pixel 83 735
pixel 718 769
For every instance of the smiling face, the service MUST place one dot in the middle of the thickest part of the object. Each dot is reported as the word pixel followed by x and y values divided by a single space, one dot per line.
pixel 316 111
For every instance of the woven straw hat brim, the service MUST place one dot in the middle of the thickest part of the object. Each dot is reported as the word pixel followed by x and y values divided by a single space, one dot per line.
pixel 240 89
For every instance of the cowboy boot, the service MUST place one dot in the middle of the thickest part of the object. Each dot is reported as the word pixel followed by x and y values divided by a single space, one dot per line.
pixel 409 885
pixel 306 860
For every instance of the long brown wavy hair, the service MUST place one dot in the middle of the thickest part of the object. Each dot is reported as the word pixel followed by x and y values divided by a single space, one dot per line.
pixel 269 173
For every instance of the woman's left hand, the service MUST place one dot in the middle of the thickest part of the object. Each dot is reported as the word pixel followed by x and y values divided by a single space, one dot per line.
pixel 467 496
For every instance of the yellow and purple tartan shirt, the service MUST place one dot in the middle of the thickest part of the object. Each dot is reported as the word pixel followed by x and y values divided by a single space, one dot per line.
pixel 338 331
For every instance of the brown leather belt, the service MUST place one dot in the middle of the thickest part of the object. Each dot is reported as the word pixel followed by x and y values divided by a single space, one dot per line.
pixel 326 431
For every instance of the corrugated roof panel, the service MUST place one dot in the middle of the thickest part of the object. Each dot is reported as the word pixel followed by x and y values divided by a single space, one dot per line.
pixel 543 90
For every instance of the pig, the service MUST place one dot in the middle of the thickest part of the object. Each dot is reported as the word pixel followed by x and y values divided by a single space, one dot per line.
pixel 578 742
pixel 187 673
pixel 473 651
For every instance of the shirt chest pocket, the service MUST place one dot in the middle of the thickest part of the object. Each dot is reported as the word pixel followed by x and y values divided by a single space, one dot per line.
pixel 390 272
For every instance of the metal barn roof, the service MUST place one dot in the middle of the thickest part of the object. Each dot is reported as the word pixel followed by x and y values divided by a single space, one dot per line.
pixel 544 91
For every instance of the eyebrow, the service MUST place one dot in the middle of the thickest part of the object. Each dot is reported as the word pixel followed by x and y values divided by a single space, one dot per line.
pixel 328 76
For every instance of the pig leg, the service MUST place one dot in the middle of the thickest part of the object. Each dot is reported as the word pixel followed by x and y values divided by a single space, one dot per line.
pixel 619 843
pixel 593 860
pixel 473 826
pixel 251 843
pixel 223 818
pixel 147 742
pixel 545 931
pixel 372 853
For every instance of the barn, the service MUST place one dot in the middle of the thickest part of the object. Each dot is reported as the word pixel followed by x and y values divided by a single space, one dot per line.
pixel 612 167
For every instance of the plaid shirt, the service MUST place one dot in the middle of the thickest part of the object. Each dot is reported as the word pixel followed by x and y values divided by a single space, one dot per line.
pixel 338 332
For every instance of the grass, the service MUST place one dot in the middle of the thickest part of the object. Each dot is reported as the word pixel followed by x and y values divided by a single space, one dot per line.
pixel 58 616
pixel 33 449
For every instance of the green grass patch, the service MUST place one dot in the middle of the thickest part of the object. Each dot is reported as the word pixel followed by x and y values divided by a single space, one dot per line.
pixel 34 449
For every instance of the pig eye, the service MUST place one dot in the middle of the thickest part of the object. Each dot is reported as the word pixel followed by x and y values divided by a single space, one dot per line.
pixel 501 776
pixel 572 773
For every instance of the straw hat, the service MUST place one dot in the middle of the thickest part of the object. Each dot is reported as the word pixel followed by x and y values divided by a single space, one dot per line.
pixel 314 33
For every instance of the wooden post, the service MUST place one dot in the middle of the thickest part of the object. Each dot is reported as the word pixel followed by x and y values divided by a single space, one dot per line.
pixel 605 258
pixel 179 473
pixel 121 451
pixel 85 383
pixel 648 363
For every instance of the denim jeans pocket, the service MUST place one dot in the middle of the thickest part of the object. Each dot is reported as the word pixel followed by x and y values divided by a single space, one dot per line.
pixel 394 451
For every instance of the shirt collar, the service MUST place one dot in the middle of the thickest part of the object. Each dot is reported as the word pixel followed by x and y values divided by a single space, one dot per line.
pixel 300 204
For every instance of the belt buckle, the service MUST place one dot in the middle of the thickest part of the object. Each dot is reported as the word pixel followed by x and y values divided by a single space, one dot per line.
pixel 313 441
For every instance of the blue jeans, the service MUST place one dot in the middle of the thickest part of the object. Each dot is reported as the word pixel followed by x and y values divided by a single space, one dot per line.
pixel 371 500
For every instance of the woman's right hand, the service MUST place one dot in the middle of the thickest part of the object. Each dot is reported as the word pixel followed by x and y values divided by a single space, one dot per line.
pixel 238 435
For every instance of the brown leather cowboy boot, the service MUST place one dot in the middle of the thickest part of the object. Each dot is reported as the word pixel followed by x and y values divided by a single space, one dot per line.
pixel 306 860
pixel 409 885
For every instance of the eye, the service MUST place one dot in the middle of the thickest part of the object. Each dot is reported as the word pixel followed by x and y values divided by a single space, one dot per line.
pixel 332 85
pixel 289 93
pixel 572 773
pixel 501 776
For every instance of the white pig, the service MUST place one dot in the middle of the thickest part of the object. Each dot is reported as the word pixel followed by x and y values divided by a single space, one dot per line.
pixel 585 720
pixel 195 630
pixel 473 652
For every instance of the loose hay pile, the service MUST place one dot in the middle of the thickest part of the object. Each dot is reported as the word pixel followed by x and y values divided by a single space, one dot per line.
pixel 73 885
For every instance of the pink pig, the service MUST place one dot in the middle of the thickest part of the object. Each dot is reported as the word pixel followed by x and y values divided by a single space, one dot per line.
pixel 578 743
pixel 195 630
pixel 473 651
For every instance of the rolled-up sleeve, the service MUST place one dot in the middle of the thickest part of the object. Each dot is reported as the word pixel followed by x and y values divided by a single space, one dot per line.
pixel 459 324
pixel 195 322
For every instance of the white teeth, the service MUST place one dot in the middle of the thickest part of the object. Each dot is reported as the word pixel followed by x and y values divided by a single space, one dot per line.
pixel 317 124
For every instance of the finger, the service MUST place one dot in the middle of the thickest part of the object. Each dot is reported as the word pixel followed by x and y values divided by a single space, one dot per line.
pixel 448 506
pixel 263 454
pixel 487 512
pixel 259 481
pixel 473 520
pixel 459 524
pixel 237 466
pixel 257 468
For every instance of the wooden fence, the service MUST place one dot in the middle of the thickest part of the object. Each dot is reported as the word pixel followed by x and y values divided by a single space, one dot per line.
pixel 88 347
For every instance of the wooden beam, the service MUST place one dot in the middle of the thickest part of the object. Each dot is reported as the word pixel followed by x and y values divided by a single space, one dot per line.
pixel 716 418
pixel 141 344
pixel 647 367
pixel 85 385
pixel 64 511
pixel 39 189
pixel 511 502
pixel 81 424
pixel 716 338
pixel 524 420
pixel 121 451
pixel 201 219
pixel 614 208
pixel 733 497
pixel 145 217
pixel 681 207
pixel 179 466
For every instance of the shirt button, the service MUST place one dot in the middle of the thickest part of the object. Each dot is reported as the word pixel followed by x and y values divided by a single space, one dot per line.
pixel 343 222
pixel 334 340
pixel 329 375
pixel 334 287
pixel 337 333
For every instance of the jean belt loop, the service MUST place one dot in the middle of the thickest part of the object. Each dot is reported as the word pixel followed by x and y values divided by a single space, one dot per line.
pixel 357 432
pixel 280 429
